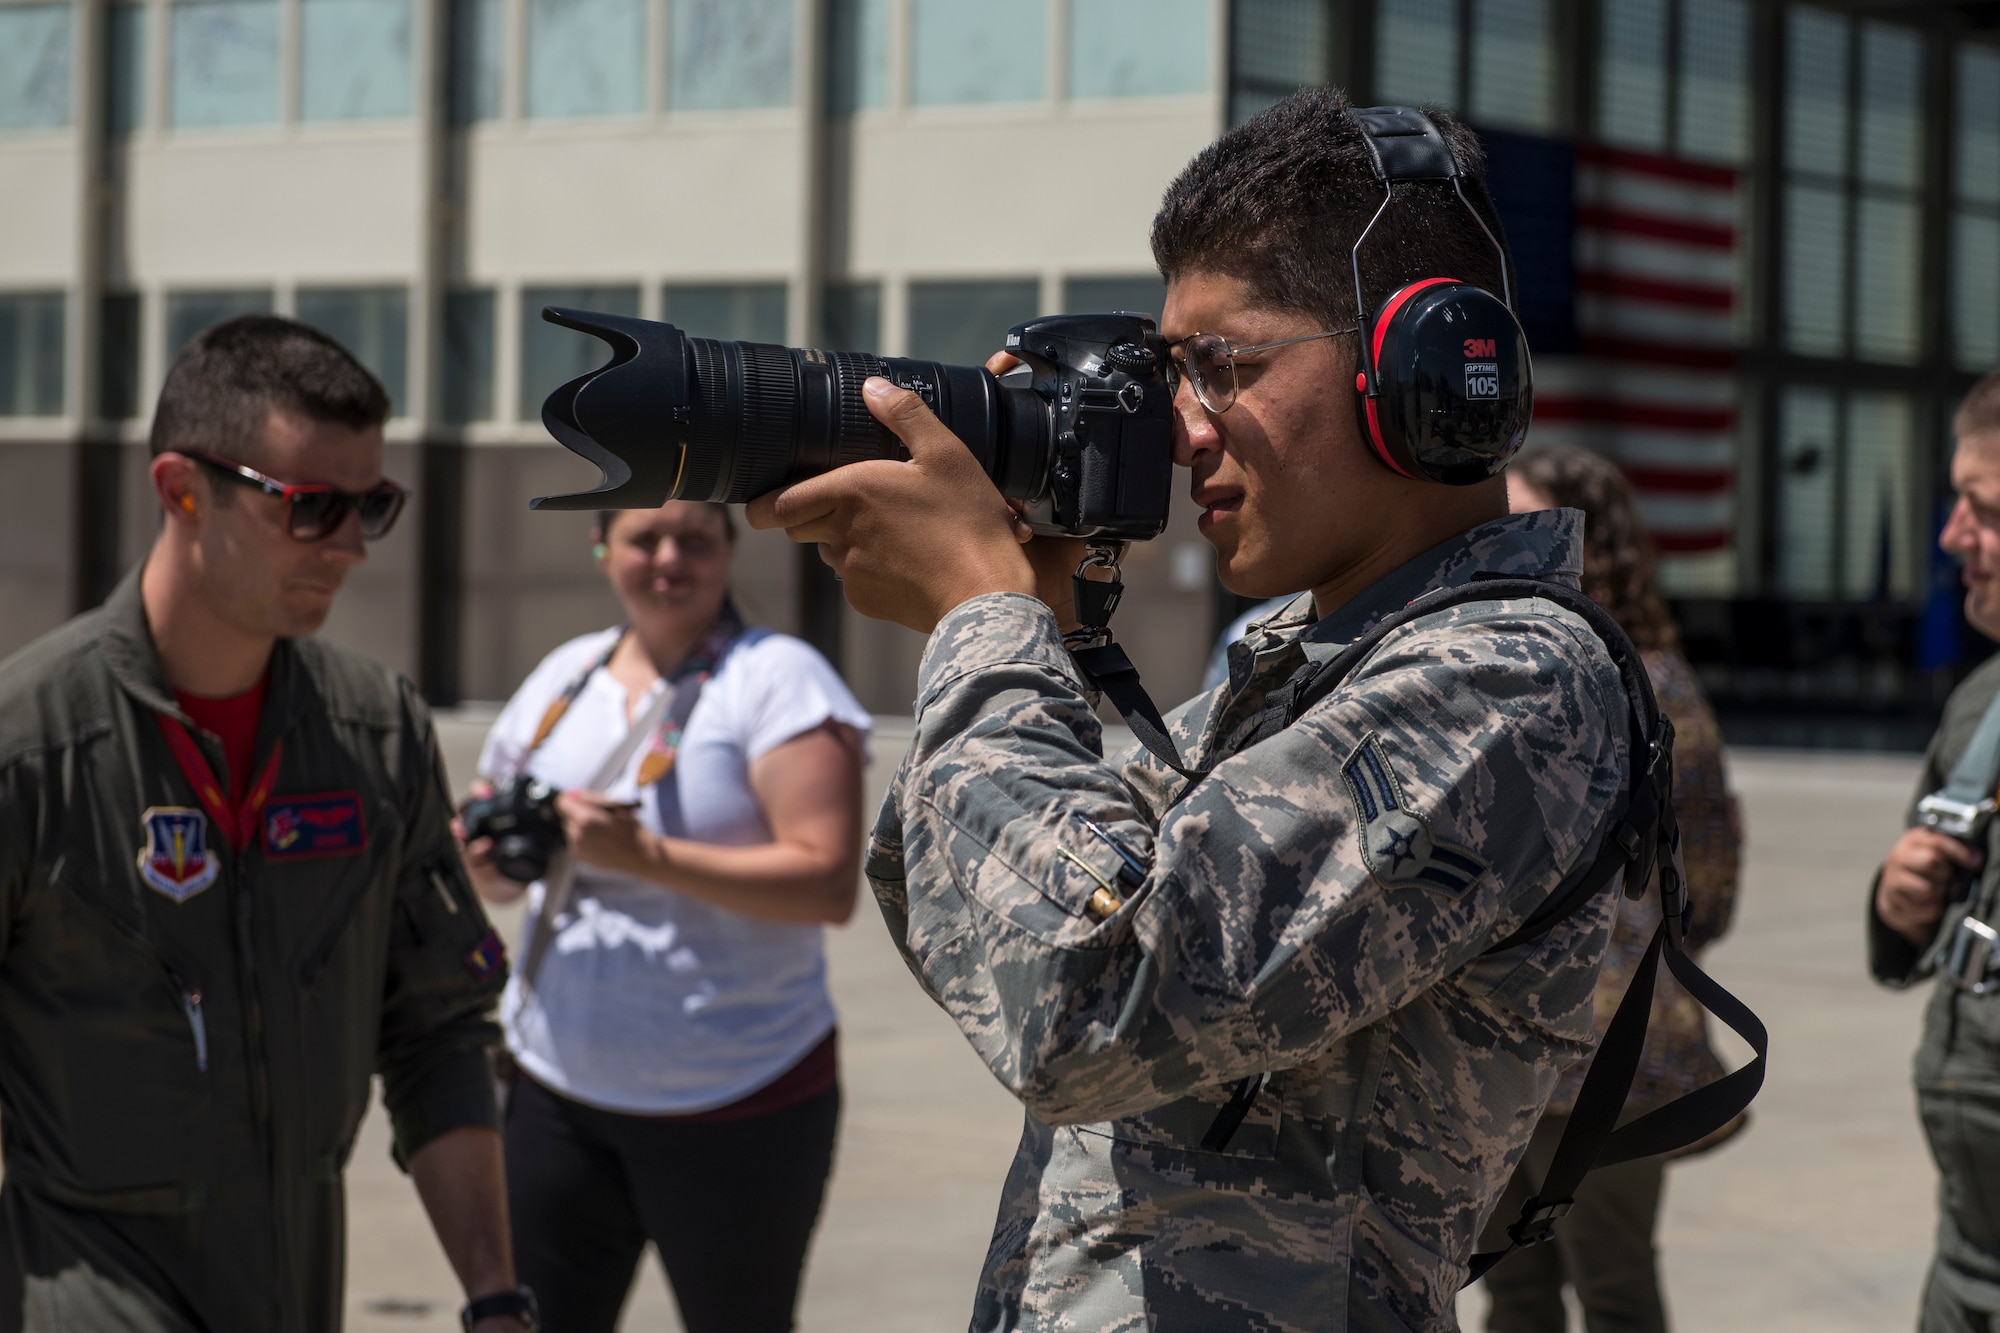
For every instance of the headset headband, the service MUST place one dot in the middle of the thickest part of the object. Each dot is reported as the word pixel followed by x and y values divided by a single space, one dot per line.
pixel 1404 146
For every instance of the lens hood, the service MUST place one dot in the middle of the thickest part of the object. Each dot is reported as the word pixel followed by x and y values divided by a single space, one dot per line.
pixel 612 416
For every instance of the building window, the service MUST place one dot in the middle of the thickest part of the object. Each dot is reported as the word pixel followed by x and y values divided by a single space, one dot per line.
pixel 34 67
pixel 978 53
pixel 1416 52
pixel 586 57
pixel 1513 65
pixel 850 316
pixel 1632 82
pixel 31 354
pixel 729 54
pixel 1846 522
pixel 744 311
pixel 118 356
pixel 188 313
pixel 469 337
pixel 354 59
pixel 1712 110
pixel 1275 46
pixel 478 59
pixel 373 323
pixel 551 355
pixel 1139 48
pixel 858 56
pixel 125 69
pixel 225 63
pixel 1853 167
pixel 1700 110
pixel 1142 293
pixel 1975 260
pixel 963 323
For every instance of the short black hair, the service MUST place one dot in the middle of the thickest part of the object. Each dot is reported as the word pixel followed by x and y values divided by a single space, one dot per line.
pixel 1979 414
pixel 1279 201
pixel 222 387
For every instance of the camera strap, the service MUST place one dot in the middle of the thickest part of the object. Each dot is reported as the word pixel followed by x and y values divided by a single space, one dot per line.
pixel 1643 843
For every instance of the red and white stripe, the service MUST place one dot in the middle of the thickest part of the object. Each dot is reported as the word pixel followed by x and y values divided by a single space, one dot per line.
pixel 1654 383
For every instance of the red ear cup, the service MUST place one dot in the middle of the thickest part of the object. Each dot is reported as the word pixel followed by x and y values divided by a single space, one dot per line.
pixel 1453 384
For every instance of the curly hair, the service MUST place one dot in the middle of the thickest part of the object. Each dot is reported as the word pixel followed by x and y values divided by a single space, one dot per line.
pixel 1618 559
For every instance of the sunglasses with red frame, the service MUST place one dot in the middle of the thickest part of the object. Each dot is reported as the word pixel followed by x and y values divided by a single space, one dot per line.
pixel 315 511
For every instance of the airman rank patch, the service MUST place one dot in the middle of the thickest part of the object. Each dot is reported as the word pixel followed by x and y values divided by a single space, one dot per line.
pixel 177 860
pixel 1395 841
pixel 328 824
pixel 486 961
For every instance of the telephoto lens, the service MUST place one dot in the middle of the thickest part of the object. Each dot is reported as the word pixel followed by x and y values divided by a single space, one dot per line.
pixel 1081 432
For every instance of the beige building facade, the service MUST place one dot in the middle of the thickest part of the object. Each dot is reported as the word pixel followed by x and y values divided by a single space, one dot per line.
pixel 419 177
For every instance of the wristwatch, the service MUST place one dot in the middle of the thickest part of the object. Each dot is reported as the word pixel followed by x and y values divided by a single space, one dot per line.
pixel 520 1303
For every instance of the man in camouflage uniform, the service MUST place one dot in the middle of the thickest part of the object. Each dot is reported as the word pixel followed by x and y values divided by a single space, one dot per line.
pixel 1931 890
pixel 1319 908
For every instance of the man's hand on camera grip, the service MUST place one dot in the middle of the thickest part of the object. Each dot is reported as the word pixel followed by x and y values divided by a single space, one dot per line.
pixel 1921 871
pixel 912 540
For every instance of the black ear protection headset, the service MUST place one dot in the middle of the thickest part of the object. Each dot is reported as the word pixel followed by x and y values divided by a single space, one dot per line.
pixel 1445 387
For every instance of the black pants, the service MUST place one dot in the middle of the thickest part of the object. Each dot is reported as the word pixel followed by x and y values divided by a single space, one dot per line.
pixel 730 1207
pixel 1603 1248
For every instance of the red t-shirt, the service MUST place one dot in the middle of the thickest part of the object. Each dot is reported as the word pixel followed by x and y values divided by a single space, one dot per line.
pixel 234 722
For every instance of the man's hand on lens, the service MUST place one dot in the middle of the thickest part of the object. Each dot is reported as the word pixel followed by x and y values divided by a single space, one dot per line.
pixel 912 540
pixel 1922 870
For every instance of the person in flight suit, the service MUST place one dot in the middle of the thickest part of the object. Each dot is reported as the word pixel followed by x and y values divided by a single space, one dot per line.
pixel 1934 905
pixel 229 895
pixel 1319 909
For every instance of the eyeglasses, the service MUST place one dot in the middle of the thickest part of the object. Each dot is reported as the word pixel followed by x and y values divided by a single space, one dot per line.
pixel 314 511
pixel 1210 364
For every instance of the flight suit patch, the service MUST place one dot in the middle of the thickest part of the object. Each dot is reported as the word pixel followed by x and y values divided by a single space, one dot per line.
pixel 326 824
pixel 485 961
pixel 176 860
pixel 1395 841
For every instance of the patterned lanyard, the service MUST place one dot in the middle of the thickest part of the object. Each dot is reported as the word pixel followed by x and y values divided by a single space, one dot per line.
pixel 236 825
pixel 686 682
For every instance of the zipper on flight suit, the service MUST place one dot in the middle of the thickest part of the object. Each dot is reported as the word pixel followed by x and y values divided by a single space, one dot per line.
pixel 197 1024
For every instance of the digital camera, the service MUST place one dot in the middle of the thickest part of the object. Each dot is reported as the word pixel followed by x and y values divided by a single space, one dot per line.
pixel 520 816
pixel 1081 433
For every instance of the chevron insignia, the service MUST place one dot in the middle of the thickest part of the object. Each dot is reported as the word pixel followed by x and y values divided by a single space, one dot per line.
pixel 1395 841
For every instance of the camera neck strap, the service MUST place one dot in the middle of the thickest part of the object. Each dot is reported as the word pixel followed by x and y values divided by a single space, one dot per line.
pixel 1643 843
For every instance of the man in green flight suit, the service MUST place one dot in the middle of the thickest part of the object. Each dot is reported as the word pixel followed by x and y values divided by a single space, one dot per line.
pixel 229 895
pixel 1328 921
pixel 1936 902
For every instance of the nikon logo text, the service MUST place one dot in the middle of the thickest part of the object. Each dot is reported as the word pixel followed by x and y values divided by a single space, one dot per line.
pixel 1482 379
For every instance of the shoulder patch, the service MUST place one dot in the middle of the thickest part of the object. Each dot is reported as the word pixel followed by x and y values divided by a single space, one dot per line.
pixel 1395 841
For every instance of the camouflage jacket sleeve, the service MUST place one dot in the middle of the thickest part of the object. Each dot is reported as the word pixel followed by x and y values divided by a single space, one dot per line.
pixel 446 968
pixel 1310 885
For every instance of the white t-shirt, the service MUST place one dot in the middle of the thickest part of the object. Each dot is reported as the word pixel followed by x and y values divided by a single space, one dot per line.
pixel 648 1001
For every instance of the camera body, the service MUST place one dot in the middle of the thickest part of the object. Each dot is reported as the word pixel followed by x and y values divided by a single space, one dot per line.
pixel 520 816
pixel 1081 432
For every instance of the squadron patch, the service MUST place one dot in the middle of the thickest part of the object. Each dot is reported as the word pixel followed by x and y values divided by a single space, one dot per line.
pixel 488 958
pixel 327 824
pixel 1395 841
pixel 176 860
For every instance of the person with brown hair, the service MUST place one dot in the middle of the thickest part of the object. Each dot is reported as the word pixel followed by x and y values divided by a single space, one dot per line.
pixel 229 894
pixel 1933 902
pixel 1606 1250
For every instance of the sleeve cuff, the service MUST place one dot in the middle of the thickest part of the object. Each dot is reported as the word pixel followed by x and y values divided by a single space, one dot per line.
pixel 1892 959
pixel 985 631
pixel 454 1095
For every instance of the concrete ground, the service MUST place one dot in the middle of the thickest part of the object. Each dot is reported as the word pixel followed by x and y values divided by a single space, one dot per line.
pixel 1818 1218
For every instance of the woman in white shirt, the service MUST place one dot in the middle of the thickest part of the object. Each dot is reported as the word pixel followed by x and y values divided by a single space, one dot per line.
pixel 674 1044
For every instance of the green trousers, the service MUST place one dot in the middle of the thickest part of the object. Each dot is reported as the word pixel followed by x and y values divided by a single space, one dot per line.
pixel 1603 1249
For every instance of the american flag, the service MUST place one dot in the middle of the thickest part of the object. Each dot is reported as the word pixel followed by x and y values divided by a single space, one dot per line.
pixel 1652 381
